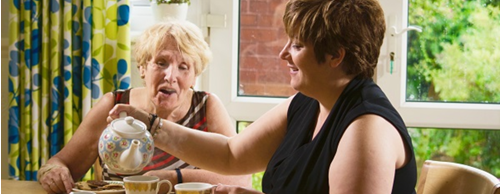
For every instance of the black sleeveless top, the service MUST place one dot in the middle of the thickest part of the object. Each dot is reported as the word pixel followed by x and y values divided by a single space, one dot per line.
pixel 300 165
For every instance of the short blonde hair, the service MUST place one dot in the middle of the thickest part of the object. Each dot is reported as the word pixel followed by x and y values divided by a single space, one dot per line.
pixel 187 36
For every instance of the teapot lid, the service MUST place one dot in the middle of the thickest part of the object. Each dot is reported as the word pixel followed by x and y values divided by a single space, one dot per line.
pixel 127 125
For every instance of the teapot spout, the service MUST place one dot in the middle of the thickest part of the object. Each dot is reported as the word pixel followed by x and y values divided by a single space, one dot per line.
pixel 131 158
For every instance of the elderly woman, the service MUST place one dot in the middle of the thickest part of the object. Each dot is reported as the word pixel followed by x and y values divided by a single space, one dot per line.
pixel 338 134
pixel 170 56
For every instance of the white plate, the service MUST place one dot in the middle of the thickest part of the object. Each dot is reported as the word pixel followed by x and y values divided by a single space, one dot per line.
pixel 114 191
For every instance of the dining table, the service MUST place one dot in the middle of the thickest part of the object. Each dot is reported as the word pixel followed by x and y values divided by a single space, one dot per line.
pixel 22 187
pixel 15 186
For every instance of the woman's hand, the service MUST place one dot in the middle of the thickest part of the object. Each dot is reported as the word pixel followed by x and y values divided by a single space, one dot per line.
pixel 138 114
pixel 231 189
pixel 55 179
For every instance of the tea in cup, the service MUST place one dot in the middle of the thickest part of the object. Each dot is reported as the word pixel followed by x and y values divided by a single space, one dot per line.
pixel 193 188
pixel 144 184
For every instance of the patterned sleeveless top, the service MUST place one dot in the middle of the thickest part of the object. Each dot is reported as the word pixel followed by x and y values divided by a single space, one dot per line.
pixel 195 118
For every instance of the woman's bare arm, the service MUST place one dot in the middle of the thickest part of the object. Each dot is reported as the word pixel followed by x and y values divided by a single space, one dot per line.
pixel 76 158
pixel 245 153
pixel 368 154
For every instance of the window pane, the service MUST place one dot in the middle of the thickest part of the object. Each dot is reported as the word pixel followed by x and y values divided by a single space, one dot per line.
pixel 456 56
pixel 478 148
pixel 261 71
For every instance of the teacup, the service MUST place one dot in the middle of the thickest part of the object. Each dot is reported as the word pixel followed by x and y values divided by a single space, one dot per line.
pixel 193 188
pixel 144 184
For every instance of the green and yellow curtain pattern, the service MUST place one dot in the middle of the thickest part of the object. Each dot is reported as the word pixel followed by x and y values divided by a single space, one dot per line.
pixel 64 55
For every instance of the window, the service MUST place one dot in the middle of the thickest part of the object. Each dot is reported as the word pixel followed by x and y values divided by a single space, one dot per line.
pixel 446 103
pixel 222 75
pixel 441 79
pixel 414 94
pixel 229 55
pixel 261 37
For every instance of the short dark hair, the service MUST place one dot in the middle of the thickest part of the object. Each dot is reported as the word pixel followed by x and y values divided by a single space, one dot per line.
pixel 357 26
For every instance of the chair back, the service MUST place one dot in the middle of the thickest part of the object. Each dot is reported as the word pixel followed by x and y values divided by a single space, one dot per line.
pixel 97 170
pixel 438 177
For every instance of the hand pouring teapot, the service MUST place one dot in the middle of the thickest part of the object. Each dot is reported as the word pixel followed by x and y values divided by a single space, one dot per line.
pixel 125 146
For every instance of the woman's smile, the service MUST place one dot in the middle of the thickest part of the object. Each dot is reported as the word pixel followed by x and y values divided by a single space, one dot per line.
pixel 293 69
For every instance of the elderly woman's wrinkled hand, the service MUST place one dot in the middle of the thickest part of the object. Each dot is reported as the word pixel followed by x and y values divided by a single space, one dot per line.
pixel 55 178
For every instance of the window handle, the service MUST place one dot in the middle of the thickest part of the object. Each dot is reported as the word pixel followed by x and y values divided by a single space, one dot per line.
pixel 391 67
pixel 413 27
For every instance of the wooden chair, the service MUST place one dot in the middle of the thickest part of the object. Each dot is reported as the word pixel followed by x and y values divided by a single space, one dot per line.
pixel 452 178
pixel 97 170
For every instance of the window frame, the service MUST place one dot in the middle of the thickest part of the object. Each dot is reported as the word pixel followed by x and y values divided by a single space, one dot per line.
pixel 423 114
pixel 222 74
pixel 221 77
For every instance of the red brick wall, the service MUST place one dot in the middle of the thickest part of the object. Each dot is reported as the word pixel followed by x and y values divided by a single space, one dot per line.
pixel 261 71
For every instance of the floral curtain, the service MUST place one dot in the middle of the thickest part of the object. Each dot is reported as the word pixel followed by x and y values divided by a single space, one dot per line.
pixel 64 55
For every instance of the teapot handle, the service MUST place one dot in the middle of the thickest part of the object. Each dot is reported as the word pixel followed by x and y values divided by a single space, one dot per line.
pixel 123 114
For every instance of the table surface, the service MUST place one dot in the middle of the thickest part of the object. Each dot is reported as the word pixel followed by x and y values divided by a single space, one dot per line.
pixel 13 186
pixel 28 187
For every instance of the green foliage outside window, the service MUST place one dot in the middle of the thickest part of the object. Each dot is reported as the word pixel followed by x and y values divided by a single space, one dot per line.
pixel 455 58
pixel 478 148
pixel 457 47
pixel 257 181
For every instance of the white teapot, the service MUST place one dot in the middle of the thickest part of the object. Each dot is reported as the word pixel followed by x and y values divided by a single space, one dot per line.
pixel 125 146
